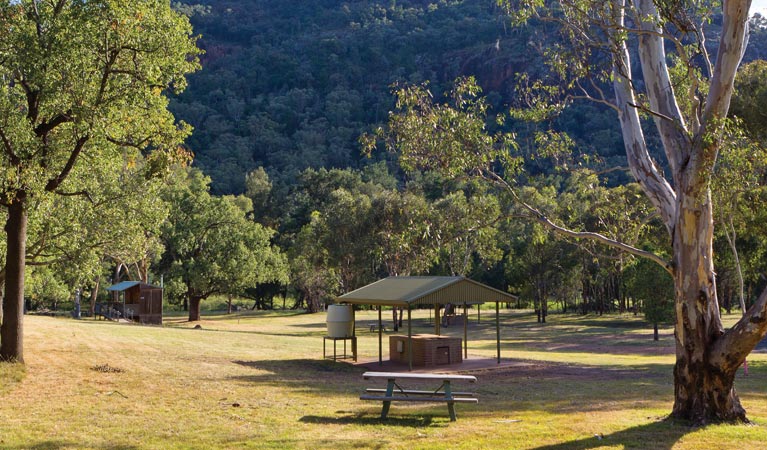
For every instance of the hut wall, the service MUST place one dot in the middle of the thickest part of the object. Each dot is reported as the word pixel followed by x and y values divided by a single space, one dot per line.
pixel 151 303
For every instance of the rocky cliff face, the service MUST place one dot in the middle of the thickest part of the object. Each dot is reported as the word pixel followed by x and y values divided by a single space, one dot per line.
pixel 494 66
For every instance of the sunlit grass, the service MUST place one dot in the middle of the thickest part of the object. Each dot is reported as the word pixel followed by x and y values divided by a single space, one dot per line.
pixel 257 380
pixel 10 375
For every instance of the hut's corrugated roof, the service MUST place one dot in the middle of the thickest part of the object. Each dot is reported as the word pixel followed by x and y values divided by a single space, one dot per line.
pixel 404 291
pixel 124 285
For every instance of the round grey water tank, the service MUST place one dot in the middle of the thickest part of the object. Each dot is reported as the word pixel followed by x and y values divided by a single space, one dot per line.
pixel 340 321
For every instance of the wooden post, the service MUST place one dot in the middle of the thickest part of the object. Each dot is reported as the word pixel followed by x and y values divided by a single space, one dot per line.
pixel 498 331
pixel 409 339
pixel 436 319
pixel 380 337
pixel 465 332
pixel 354 335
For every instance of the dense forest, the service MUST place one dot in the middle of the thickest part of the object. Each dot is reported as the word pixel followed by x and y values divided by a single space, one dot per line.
pixel 288 86
pixel 280 188
pixel 287 89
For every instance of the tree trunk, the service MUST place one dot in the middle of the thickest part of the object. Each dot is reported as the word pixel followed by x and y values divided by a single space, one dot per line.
pixel 395 325
pixel 703 386
pixel 729 228
pixel 142 269
pixel 655 336
pixel 194 307
pixel 94 296
pixel 2 292
pixel 11 331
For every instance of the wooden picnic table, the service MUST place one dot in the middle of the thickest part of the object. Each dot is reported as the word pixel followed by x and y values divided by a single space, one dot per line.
pixel 395 392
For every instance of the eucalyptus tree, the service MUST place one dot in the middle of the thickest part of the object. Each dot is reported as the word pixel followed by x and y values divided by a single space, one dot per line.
pixel 597 38
pixel 402 223
pixel 737 186
pixel 750 100
pixel 332 253
pixel 312 273
pixel 594 53
pixel 653 286
pixel 211 247
pixel 739 178
pixel 465 231
pixel 81 81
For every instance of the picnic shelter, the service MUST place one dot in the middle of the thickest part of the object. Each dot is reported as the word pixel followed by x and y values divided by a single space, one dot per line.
pixel 434 291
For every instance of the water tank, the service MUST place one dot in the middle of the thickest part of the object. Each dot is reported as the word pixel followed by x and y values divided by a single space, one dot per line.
pixel 340 321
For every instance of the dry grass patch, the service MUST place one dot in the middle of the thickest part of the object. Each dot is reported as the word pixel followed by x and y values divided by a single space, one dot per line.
pixel 256 380
pixel 10 375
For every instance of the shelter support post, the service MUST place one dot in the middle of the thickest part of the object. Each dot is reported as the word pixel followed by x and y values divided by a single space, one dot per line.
pixel 436 319
pixel 409 339
pixel 380 337
pixel 498 331
pixel 465 332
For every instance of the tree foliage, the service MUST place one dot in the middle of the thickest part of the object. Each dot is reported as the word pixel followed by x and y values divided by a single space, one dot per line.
pixel 82 81
pixel 212 247
pixel 603 41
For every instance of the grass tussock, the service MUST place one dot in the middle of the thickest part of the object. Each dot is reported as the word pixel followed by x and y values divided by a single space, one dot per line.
pixel 259 381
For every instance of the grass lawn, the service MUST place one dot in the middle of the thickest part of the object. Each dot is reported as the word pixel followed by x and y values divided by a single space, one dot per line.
pixel 257 380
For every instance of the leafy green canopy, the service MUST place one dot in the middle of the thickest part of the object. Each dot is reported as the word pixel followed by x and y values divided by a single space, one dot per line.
pixel 83 83
pixel 211 245
pixel 447 137
pixel 84 80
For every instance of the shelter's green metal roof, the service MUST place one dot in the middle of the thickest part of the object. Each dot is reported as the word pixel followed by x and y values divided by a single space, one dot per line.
pixel 404 291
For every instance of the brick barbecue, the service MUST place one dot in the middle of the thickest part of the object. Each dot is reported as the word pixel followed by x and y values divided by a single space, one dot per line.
pixel 428 349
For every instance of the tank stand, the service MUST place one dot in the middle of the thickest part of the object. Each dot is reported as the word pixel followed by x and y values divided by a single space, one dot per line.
pixel 336 356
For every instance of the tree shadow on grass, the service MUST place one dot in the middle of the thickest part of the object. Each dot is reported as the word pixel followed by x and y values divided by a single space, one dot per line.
pixel 660 435
pixel 366 418
pixel 302 374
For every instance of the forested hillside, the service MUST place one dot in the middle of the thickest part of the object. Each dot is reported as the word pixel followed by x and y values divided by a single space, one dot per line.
pixel 291 85
pixel 284 93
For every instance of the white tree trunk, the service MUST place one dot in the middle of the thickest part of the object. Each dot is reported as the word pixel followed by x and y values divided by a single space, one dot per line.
pixel 706 357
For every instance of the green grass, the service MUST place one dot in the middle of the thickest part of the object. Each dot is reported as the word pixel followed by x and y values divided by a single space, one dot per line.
pixel 257 380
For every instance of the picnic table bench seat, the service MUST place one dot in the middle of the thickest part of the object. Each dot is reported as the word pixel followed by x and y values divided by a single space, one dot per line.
pixel 415 392
pixel 405 398
pixel 396 393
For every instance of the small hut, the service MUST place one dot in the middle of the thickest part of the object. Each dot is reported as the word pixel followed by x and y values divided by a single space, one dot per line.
pixel 137 301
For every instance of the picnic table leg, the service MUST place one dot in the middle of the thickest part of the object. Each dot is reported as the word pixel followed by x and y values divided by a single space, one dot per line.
pixel 386 403
pixel 450 404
